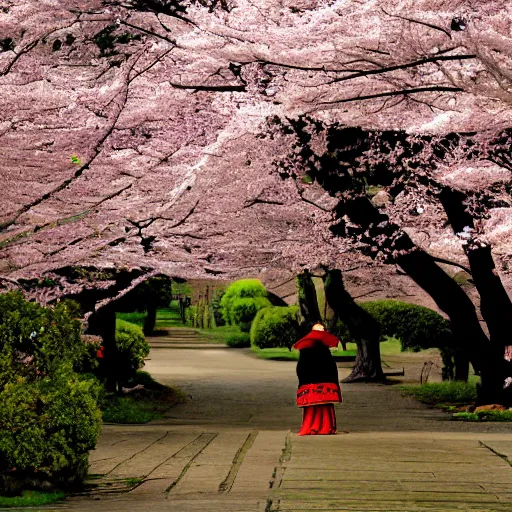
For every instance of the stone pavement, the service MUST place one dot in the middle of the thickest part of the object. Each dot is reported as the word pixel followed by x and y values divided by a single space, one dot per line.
pixel 232 448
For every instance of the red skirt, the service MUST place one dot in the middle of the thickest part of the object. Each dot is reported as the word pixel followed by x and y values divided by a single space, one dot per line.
pixel 318 420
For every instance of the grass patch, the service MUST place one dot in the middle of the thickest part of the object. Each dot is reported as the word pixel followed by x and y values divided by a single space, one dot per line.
pixel 220 334
pixel 169 317
pixel 31 499
pixel 443 393
pixel 144 406
pixel 134 317
pixel 483 416
pixel 283 354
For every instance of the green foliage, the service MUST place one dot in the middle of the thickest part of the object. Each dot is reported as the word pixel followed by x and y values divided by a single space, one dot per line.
pixel 50 419
pixel 128 410
pixel 35 341
pixel 75 160
pixel 483 416
pixel 235 292
pixel 31 499
pixel 133 317
pixel 241 340
pixel 454 392
pixel 243 310
pixel 275 327
pixel 132 348
pixel 417 327
pixel 47 428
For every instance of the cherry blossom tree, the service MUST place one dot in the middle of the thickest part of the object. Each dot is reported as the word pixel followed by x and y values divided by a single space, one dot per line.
pixel 137 137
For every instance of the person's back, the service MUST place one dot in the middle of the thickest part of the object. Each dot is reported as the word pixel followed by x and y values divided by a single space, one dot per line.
pixel 316 365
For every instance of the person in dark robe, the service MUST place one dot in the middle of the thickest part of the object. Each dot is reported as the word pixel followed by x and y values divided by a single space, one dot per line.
pixel 319 386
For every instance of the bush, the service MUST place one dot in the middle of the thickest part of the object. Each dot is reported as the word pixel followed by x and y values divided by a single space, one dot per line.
pixel 243 289
pixel 275 327
pixel 417 327
pixel 47 428
pixel 34 341
pixel 244 310
pixel 132 348
pixel 241 340
pixel 50 418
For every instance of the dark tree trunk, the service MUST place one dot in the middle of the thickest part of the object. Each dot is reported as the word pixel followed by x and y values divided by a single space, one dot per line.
pixel 495 304
pixel 462 361
pixel 103 323
pixel 151 307
pixel 308 302
pixel 183 306
pixel 422 268
pixel 450 298
pixel 362 327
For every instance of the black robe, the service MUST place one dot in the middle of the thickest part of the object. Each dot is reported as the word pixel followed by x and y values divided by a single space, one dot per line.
pixel 316 365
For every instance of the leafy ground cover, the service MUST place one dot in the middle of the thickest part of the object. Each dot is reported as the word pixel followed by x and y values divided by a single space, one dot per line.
pixel 142 406
pixel 453 395
pixel 483 416
pixel 31 499
pixel 443 394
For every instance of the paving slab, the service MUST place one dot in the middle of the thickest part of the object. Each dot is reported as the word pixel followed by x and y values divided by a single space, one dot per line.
pixel 232 447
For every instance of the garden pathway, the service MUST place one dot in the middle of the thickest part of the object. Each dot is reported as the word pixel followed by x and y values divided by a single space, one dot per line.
pixel 232 447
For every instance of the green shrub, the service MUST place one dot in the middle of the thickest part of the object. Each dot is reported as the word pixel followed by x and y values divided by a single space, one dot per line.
pixel 244 310
pixel 417 327
pixel 241 340
pixel 132 348
pixel 34 341
pixel 47 428
pixel 242 289
pixel 49 415
pixel 275 327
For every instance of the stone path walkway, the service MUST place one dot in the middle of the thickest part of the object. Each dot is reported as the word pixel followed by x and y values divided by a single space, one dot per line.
pixel 232 448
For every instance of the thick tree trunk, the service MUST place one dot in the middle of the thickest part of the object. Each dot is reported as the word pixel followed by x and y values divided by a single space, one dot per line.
pixel 308 302
pixel 495 304
pixel 103 323
pixel 422 268
pixel 450 298
pixel 150 320
pixel 361 325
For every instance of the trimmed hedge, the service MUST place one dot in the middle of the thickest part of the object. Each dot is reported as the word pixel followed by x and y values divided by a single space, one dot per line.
pixel 418 328
pixel 241 301
pixel 274 327
pixel 244 310
pixel 132 348
pixel 241 340
pixel 49 415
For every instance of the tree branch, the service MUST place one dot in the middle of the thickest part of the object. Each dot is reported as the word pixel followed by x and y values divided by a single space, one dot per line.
pixel 417 90
pixel 408 65
pixel 452 263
